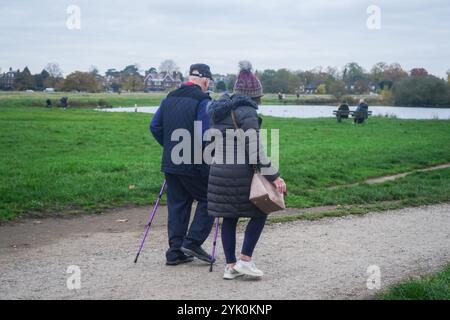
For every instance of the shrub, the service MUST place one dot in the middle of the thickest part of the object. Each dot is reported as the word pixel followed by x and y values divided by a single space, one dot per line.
pixel 426 91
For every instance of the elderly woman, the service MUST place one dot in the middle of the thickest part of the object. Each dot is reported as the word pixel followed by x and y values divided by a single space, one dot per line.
pixel 229 183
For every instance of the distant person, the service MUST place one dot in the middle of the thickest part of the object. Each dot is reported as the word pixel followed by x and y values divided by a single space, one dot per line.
pixel 361 112
pixel 64 102
pixel 49 103
pixel 298 95
pixel 345 109
pixel 280 96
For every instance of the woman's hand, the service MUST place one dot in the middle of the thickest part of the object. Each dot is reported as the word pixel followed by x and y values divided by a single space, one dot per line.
pixel 281 185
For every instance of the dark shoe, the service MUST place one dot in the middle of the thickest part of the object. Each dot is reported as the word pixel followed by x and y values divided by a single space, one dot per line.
pixel 180 260
pixel 197 252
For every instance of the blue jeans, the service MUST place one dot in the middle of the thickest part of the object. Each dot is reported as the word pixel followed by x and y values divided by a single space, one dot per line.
pixel 181 193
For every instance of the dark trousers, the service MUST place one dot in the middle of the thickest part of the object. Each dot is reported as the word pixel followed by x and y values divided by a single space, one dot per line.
pixel 181 193
pixel 252 234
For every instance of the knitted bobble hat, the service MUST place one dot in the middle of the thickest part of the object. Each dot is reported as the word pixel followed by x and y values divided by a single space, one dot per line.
pixel 247 83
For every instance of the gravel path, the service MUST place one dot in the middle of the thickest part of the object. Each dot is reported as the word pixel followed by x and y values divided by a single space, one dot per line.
pixel 384 179
pixel 326 259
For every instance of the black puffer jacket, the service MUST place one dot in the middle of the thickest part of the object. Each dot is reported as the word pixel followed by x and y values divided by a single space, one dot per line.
pixel 229 184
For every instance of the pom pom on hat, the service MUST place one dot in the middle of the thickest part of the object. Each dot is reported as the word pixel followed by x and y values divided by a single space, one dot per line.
pixel 245 66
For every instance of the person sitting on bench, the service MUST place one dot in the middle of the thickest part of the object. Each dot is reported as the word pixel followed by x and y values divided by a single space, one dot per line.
pixel 344 109
pixel 361 112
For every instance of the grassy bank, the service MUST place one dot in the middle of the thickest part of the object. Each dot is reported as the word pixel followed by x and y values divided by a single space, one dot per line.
pixel 80 100
pixel 93 100
pixel 85 161
pixel 432 287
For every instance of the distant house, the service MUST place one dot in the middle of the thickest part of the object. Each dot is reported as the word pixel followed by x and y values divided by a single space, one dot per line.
pixel 162 81
pixel 311 88
pixel 7 79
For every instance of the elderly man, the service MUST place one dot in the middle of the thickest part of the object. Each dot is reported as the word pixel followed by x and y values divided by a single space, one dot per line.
pixel 186 182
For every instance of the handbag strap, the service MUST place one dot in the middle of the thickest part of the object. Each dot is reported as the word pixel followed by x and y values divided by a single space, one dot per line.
pixel 233 117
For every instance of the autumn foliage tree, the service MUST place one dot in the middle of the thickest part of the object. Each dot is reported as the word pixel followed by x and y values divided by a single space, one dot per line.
pixel 419 72
pixel 81 81
pixel 133 83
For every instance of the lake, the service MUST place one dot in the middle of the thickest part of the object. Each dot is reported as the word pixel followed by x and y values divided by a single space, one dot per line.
pixel 305 111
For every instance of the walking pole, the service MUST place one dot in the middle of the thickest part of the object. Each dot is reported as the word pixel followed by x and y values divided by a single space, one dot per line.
pixel 213 254
pixel 152 216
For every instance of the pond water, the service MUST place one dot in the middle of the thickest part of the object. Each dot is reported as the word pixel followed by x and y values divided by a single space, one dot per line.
pixel 305 111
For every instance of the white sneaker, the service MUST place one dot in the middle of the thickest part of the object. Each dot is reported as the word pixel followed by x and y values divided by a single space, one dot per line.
pixel 248 268
pixel 231 274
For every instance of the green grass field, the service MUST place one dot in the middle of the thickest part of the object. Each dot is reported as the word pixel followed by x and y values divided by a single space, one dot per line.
pixel 81 160
pixel 93 100
pixel 431 287
pixel 84 100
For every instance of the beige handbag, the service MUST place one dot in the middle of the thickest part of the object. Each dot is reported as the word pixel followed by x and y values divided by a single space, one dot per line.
pixel 263 193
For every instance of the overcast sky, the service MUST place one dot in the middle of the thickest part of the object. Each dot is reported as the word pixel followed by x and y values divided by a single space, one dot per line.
pixel 294 34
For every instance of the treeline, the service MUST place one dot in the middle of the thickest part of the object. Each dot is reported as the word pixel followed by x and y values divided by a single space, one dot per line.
pixel 390 82
pixel 129 79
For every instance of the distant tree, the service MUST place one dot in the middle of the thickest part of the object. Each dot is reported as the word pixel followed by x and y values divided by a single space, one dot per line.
pixel 377 73
pixel 285 81
pixel 112 73
pixel 267 79
pixel 332 72
pixel 337 88
pixel 81 81
pixel 24 80
pixel 93 70
pixel 330 75
pixel 168 66
pixel 152 70
pixel 384 75
pixel 353 72
pixel 56 75
pixel 419 72
pixel 394 72
pixel 421 91
pixel 361 86
pixel 113 80
pixel 322 89
pixel 231 79
pixel 133 83
pixel 130 70
pixel 40 79
pixel 221 86
pixel 54 70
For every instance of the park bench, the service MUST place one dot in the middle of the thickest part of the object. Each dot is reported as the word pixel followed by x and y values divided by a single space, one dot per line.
pixel 344 114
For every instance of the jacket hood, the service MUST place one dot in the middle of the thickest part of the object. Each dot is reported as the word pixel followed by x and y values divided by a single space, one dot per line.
pixel 220 109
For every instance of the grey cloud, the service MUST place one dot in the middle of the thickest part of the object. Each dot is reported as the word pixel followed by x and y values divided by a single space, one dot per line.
pixel 272 34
